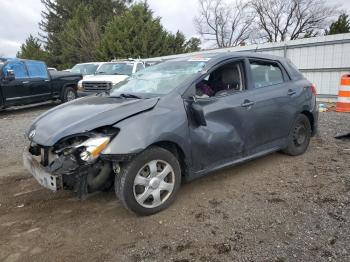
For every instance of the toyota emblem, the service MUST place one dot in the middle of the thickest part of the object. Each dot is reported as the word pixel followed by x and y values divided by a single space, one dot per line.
pixel 32 134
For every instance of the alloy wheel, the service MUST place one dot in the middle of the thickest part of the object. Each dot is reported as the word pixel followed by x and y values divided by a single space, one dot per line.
pixel 154 183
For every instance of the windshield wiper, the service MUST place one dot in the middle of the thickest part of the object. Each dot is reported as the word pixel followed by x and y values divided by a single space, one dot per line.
pixel 129 96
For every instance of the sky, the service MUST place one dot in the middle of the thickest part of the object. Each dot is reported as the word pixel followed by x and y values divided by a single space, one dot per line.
pixel 20 18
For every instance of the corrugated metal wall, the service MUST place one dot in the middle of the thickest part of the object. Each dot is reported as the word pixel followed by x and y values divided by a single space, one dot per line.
pixel 321 59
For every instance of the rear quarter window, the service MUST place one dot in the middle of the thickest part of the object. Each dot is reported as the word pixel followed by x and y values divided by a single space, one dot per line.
pixel 266 74
pixel 37 69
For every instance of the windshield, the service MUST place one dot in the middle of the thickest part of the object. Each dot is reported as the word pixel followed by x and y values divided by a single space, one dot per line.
pixel 160 79
pixel 115 69
pixel 84 69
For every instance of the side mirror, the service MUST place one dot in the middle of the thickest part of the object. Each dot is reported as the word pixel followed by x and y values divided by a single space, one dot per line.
pixel 10 75
pixel 197 112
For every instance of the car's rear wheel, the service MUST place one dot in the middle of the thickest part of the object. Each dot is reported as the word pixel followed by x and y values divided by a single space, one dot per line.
pixel 299 137
pixel 69 94
pixel 149 183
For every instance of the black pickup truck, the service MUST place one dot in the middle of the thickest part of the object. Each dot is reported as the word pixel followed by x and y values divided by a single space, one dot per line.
pixel 28 81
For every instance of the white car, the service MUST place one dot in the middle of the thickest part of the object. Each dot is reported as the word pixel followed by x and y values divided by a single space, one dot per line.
pixel 107 75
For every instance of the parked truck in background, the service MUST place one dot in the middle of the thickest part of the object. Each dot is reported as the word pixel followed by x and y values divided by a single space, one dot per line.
pixel 85 69
pixel 107 75
pixel 29 81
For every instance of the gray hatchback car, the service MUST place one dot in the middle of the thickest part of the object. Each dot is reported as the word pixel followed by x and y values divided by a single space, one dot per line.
pixel 175 121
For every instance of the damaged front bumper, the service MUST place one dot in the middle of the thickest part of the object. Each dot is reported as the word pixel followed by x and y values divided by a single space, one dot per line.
pixel 63 172
pixel 44 178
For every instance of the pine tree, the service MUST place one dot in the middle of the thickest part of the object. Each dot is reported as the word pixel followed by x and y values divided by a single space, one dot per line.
pixel 32 49
pixel 192 45
pixel 80 38
pixel 341 26
pixel 60 14
pixel 137 33
pixel 74 31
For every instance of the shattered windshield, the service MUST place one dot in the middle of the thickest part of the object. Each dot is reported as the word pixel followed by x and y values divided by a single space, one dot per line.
pixel 115 69
pixel 160 79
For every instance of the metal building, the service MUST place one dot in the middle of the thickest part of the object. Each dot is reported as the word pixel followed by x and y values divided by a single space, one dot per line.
pixel 321 59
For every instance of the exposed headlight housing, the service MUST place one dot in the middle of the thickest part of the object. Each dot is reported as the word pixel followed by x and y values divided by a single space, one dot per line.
pixel 93 148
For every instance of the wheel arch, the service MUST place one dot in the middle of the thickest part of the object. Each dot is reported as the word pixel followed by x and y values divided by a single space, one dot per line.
pixel 177 151
pixel 74 85
pixel 310 116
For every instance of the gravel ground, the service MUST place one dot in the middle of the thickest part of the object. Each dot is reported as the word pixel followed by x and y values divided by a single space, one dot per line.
pixel 277 208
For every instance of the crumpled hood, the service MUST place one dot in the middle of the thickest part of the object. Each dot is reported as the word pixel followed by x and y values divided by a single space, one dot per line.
pixel 84 114
pixel 108 78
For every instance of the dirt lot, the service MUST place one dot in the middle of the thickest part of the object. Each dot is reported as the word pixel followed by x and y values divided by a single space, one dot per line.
pixel 277 208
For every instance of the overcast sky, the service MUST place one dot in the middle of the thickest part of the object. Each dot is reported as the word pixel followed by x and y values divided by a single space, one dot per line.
pixel 19 19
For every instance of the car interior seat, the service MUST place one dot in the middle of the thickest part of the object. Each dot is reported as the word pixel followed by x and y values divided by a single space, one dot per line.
pixel 230 79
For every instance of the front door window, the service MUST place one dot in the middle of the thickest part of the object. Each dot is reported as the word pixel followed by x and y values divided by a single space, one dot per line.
pixel 222 81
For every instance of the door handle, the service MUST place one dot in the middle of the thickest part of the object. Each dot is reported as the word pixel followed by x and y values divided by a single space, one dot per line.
pixel 25 82
pixel 247 103
pixel 291 92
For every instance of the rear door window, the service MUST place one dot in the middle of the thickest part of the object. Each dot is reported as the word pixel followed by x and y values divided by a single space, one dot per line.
pixel 37 69
pixel 18 68
pixel 266 74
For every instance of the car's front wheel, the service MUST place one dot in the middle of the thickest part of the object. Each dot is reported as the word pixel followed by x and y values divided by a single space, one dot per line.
pixel 149 183
pixel 299 137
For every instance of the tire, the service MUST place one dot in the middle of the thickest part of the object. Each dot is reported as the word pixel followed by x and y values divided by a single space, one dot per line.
pixel 68 94
pixel 137 195
pixel 299 136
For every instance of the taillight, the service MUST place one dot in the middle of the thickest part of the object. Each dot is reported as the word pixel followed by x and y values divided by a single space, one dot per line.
pixel 313 90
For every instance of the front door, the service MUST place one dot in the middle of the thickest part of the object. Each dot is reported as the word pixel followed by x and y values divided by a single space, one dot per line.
pixel 218 96
pixel 15 92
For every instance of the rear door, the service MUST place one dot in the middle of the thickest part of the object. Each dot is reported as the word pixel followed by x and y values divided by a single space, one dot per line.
pixel 40 86
pixel 16 91
pixel 271 95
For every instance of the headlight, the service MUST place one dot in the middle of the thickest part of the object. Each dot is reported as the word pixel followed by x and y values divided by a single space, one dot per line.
pixel 93 148
pixel 80 85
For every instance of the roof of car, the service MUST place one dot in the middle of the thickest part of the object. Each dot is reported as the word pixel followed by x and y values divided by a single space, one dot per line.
pixel 227 55
pixel 121 61
pixel 87 63
pixel 18 59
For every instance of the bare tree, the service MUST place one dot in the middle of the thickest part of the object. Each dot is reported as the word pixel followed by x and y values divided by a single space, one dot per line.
pixel 226 23
pixel 279 20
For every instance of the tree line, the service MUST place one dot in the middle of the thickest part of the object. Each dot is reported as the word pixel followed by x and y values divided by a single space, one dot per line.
pixel 74 31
